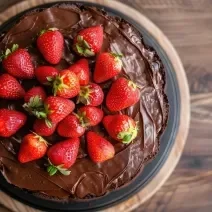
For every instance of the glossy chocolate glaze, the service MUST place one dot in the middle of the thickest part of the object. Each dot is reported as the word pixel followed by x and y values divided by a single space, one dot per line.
pixel 141 64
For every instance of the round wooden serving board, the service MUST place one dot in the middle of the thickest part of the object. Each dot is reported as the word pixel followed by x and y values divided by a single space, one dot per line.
pixel 167 168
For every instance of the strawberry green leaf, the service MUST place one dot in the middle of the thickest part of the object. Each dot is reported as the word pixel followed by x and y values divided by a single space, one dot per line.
pixel 86 45
pixel 64 172
pixel 35 102
pixel 84 121
pixel 83 47
pixel 84 95
pixel 39 114
pixel 83 100
pixel 8 52
pixel 46 30
pixel 79 39
pixel 52 170
pixel 88 53
pixel 48 123
pixel 127 138
pixel 132 85
pixel 129 134
pixel 40 138
pixel 79 49
pixel 15 47
pixel 50 79
pixel 119 55
pixel 52 29
pixel 35 107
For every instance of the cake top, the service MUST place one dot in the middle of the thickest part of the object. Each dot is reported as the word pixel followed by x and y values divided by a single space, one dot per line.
pixel 139 64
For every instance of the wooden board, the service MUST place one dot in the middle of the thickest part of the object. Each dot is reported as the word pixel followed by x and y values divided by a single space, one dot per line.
pixel 177 149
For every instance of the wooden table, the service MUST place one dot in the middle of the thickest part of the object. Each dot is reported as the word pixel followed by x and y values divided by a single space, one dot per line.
pixel 188 24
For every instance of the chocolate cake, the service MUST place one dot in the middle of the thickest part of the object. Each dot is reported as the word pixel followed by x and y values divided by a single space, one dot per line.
pixel 141 64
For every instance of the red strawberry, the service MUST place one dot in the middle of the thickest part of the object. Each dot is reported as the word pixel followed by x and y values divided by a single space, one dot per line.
pixel 81 69
pixel 62 156
pixel 121 127
pixel 106 121
pixel 99 149
pixel 17 62
pixel 91 94
pixel 34 99
pixel 89 41
pixel 33 92
pixel 33 147
pixel 70 127
pixel 122 94
pixel 90 116
pixel 58 108
pixel 108 65
pixel 41 128
pixel 46 74
pixel 10 88
pixel 51 45
pixel 66 84
pixel 10 122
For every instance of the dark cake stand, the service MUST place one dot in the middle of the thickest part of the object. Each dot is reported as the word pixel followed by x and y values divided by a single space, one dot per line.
pixel 172 141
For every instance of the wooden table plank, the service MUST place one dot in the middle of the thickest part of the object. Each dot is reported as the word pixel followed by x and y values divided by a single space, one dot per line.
pixel 188 25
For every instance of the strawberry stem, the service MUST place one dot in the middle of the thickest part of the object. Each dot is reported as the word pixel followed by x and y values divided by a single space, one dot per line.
pixel 84 95
pixel 84 121
pixel 130 134
pixel 58 85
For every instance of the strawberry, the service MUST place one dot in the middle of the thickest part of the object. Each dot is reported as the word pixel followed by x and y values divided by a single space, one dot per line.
pixel 81 69
pixel 41 128
pixel 122 94
pixel 89 41
pixel 33 147
pixel 10 122
pixel 46 74
pixel 51 45
pixel 58 108
pixel 99 149
pixel 33 92
pixel 91 94
pixel 70 127
pixel 34 99
pixel 66 84
pixel 10 88
pixel 17 62
pixel 62 156
pixel 108 65
pixel 121 127
pixel 90 116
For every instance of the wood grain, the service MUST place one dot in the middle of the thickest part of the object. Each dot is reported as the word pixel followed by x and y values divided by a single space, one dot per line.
pixel 187 23
pixel 177 149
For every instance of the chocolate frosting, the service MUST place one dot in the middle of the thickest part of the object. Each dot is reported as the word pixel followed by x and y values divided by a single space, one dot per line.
pixel 140 64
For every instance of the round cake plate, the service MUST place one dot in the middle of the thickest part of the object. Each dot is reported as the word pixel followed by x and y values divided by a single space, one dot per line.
pixel 172 140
